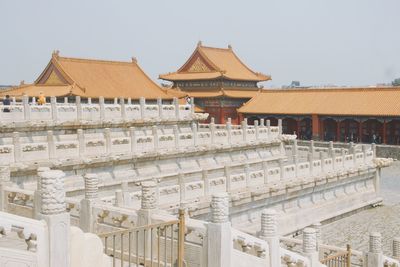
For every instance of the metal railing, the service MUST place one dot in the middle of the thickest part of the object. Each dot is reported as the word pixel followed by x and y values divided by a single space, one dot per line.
pixel 152 245
pixel 341 259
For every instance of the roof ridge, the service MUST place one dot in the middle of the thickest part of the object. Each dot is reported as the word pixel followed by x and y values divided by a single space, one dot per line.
pixel 96 60
pixel 216 48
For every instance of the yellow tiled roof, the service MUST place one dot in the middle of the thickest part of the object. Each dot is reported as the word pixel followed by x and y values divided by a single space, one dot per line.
pixel 217 62
pixel 384 101
pixel 94 78
pixel 34 90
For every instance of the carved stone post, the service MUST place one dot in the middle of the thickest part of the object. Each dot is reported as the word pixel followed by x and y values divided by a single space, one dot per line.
pixel 176 135
pixel 310 159
pixel 206 182
pixel 318 227
pixel 123 110
pixel 182 187
pixel 296 163
pixel 219 238
pixel 262 123
pixel 281 169
pixel 229 130
pixel 154 132
pixel 87 220
pixel 51 144
pixel 212 131
pixel 53 103
pixel 322 158
pixel 78 108
pixel 265 169
pixel 149 205
pixel 256 128
pixel 176 105
pixel 27 111
pixel 160 108
pixel 310 249
pixel 119 198
pixel 247 174
pixel 269 129
pixel 17 146
pixel 37 195
pixel 269 233
pixel 227 172
pixel 132 134
pixel 374 256
pixel 279 126
pixel 127 200
pixel 396 248
pixel 107 137
pixel 81 142
pixel 244 130
pixel 4 181
pixel 195 137
pixel 295 147
pixel 53 211
pixel 373 147
pixel 142 102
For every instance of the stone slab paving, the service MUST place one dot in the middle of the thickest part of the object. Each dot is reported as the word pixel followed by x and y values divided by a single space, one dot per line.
pixel 385 219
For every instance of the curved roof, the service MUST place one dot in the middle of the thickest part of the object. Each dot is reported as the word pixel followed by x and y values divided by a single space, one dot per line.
pixel 210 63
pixel 383 101
pixel 94 78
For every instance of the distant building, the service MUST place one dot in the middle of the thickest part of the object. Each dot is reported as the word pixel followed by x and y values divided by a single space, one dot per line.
pixel 337 114
pixel 218 81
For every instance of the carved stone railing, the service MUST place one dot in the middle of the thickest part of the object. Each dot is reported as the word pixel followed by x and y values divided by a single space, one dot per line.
pixel 121 110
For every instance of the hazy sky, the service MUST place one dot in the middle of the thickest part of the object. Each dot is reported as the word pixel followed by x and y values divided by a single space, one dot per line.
pixel 343 42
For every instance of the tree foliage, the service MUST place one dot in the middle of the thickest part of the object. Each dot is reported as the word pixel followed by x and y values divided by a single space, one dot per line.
pixel 396 82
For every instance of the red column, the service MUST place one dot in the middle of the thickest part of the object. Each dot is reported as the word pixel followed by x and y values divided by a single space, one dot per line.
pixel 240 118
pixel 221 116
pixel 315 127
pixel 384 131
pixel 360 131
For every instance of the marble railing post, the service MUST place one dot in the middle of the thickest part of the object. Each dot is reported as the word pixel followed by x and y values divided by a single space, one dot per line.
pixel 396 248
pixel 4 181
pixel 132 134
pixel 192 106
pixel 89 100
pixel 149 205
pixel 322 158
pixel 265 169
pixel 195 137
pixel 296 163
pixel 227 173
pixel 312 147
pixel 78 108
pixel 269 129
pixel 364 151
pixel 247 174
pixel 123 110
pixel 182 187
pixel 295 147
pixel 81 142
pixel 219 233
pixel 204 174
pixel 107 137
pixel 280 126
pixel 212 131
pixel 154 132
pixel 256 128
pixel 65 100
pixel 115 101
pixel 331 150
pixel 129 101
pixel 175 130
pixel 87 220
pixel 262 123
pixel 37 194
pixel 318 231
pixel 17 146
pixel 373 148
pixel 351 148
pixel 269 233
pixel 244 129
pixel 127 200
pixel 27 111
pixel 343 153
pixel 142 102
pixel 160 108
pixel 119 198
pixel 310 249
pixel 310 160
pixel 51 145
pixel 374 256
pixel 229 130
pixel 176 105
pixel 53 103
pixel 281 169
pixel 53 211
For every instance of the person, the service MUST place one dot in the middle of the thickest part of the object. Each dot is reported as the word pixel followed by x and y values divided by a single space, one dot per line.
pixel 6 104
pixel 41 99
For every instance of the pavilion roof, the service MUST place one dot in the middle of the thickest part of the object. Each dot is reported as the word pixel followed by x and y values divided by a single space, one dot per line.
pixel 209 93
pixel 207 63
pixel 93 78
pixel 382 101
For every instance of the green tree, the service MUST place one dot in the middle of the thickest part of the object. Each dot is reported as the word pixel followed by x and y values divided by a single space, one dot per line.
pixel 396 82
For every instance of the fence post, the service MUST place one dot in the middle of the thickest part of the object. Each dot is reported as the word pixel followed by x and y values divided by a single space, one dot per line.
pixel 181 238
pixel 142 102
pixel 27 111
pixel 17 146
pixel 219 237
pixel 102 108
pixel 280 127
pixel 195 136
pixel 78 108
pixel 268 129
pixel 53 211
pixel 176 135
pixel 310 249
pixel 348 259
pixel 87 221
pixel 81 142
pixel 212 131
pixel 154 132
pixel 51 145
pixel 244 130
pixel 160 108
pixel 176 105
pixel 132 134
pixel 256 128
pixel 229 130
pixel 374 256
pixel 123 110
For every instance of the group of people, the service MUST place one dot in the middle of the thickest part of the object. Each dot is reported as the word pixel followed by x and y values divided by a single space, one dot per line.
pixel 7 102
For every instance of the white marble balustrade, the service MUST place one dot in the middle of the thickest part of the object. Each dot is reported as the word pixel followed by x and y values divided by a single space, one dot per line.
pixel 120 110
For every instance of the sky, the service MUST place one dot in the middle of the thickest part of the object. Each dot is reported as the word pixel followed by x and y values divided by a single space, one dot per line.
pixel 316 42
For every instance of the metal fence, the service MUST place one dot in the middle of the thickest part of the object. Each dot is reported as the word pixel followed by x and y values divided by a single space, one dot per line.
pixel 341 259
pixel 152 245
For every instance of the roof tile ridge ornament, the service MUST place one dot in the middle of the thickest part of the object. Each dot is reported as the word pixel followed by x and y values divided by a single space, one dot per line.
pixel 134 60
pixel 56 54
pixel 230 47
pixel 199 43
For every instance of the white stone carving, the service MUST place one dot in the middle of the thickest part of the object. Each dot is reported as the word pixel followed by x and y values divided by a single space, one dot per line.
pixel 220 208
pixel 149 195
pixel 52 191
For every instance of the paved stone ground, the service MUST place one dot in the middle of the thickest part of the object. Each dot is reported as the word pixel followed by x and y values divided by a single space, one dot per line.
pixel 385 219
